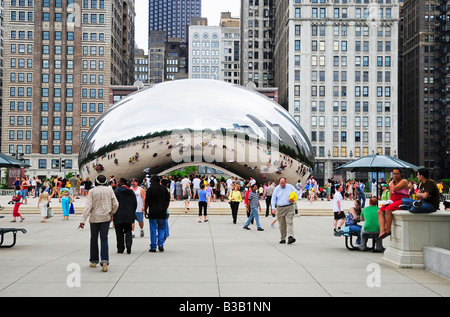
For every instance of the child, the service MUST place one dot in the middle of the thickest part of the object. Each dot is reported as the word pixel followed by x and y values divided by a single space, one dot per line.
pixel 16 199
pixel 66 200
pixel 385 196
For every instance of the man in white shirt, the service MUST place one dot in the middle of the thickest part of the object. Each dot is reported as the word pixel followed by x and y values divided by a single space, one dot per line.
pixel 195 186
pixel 283 207
pixel 338 211
pixel 185 181
pixel 230 182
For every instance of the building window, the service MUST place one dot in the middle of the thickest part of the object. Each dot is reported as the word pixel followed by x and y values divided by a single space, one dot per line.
pixel 42 164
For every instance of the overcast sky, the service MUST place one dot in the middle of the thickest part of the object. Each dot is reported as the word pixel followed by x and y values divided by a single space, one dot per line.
pixel 210 9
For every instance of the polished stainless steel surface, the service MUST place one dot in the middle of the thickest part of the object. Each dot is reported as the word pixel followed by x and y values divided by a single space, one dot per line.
pixel 197 122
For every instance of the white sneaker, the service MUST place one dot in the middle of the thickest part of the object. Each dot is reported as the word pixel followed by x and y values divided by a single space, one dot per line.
pixel 142 233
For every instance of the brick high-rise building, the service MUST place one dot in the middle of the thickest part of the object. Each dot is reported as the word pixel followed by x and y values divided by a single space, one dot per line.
pixel 60 58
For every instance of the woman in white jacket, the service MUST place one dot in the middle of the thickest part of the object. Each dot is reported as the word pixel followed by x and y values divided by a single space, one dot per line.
pixel 43 201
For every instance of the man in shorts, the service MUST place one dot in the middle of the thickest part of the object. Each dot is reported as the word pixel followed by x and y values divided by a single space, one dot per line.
pixel 338 211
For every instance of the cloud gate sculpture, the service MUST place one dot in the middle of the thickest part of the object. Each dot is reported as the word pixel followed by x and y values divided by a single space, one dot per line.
pixel 197 122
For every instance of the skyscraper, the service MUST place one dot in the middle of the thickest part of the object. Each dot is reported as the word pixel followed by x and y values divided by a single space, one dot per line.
pixel 425 126
pixel 60 59
pixel 173 16
pixel 257 42
pixel 214 50
pixel 336 69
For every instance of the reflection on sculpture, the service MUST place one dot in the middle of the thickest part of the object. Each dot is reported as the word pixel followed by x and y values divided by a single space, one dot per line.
pixel 197 122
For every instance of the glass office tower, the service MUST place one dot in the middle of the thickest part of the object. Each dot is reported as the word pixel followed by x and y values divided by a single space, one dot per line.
pixel 173 16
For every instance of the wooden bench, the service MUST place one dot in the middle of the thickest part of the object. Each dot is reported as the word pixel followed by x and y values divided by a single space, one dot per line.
pixel 14 231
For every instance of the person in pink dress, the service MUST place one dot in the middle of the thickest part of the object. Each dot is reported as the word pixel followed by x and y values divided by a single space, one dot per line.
pixel 399 189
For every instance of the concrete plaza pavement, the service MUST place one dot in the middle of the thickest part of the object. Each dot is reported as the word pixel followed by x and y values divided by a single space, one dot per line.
pixel 208 259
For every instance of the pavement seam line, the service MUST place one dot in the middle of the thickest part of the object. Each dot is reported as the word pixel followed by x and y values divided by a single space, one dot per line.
pixel 215 259
pixel 128 266
pixel 287 255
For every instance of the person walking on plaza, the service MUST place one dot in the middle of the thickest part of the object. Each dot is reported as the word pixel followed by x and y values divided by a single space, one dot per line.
pixel 338 211
pixel 38 187
pixel 195 186
pixel 124 216
pixel 16 199
pixel 101 204
pixel 140 198
pixel 65 200
pixel 74 182
pixel 56 186
pixel 43 203
pixel 157 200
pixel 186 196
pixel 24 187
pixel 361 194
pixel 283 207
pixel 268 196
pixel 202 203
pixel 87 186
pixel 235 198
pixel 253 206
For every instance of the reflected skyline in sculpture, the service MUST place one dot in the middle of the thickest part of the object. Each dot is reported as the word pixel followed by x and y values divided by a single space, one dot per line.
pixel 197 122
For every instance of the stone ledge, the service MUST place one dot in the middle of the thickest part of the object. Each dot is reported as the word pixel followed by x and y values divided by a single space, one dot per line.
pixel 411 232
pixel 437 260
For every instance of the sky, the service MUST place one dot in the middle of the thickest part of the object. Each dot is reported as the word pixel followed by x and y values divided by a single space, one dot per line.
pixel 211 9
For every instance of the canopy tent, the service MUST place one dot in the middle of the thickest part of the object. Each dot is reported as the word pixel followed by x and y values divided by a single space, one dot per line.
pixel 377 163
pixel 9 161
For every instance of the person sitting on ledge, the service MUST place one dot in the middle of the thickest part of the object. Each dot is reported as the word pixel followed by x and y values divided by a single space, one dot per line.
pixel 369 215
pixel 447 205
pixel 428 193
pixel 399 189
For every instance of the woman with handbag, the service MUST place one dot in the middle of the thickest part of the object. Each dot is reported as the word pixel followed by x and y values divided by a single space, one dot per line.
pixel 43 203
pixel 16 199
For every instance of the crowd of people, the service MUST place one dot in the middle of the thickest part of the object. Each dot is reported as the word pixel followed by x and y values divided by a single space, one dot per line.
pixel 123 206
pixel 395 195
pixel 65 189
pixel 122 202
